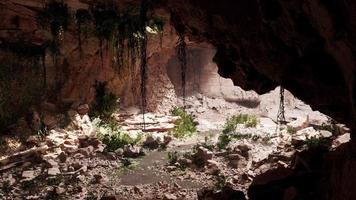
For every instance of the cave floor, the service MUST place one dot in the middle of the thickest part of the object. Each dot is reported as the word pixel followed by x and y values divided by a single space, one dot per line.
pixel 74 165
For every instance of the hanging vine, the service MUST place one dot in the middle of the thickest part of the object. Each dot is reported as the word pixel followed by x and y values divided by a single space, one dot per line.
pixel 182 57
pixel 143 51
pixel 55 17
pixel 83 19
pixel 280 116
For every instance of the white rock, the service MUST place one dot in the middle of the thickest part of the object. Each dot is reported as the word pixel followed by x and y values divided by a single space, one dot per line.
pixel 325 134
pixel 29 174
pixel 299 123
pixel 53 171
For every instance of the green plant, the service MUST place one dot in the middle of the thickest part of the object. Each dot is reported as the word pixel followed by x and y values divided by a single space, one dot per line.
pixel 220 183
pixel 231 123
pixel 315 142
pixel 185 126
pixel 223 141
pixel 113 137
pixel 105 103
pixel 291 130
pixel 172 157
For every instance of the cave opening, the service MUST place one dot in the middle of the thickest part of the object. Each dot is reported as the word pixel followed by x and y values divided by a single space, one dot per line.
pixel 141 102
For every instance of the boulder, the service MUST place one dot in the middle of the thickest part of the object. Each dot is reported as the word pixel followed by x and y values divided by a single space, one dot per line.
pixel 83 109
pixel 132 151
pixel 53 171
pixel 170 197
pixel 244 149
pixel 299 123
pixel 28 175
pixel 203 154
pixel 152 142
pixel 237 161
pixel 167 139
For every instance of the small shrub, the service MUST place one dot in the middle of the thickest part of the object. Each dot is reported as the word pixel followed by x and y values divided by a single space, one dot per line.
pixel 105 103
pixel 113 136
pixel 291 130
pixel 221 182
pixel 224 140
pixel 172 157
pixel 231 123
pixel 315 142
pixel 185 126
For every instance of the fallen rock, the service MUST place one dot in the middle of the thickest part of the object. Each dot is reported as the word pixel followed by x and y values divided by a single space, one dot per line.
pixel 50 122
pixel 227 193
pixel 213 167
pixel 152 142
pixel 203 155
pixel 325 134
pixel 62 157
pixel 86 151
pixel 29 174
pixel 60 190
pixel 83 109
pixel 184 162
pixel 99 179
pixel 119 152
pixel 299 123
pixel 167 139
pixel 133 151
pixel 51 163
pixel 170 197
pixel 53 171
pixel 341 140
pixel 300 136
pixel 237 161
pixel 33 140
pixel 10 180
pixel 244 149
pixel 69 148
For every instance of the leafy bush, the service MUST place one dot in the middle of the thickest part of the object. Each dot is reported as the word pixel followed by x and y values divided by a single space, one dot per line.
pixel 229 133
pixel 231 123
pixel 113 136
pixel 224 140
pixel 291 130
pixel 106 103
pixel 314 142
pixel 185 126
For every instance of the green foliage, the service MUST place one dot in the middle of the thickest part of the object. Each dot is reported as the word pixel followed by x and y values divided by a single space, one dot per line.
pixel 220 183
pixel 113 136
pixel 223 141
pixel 172 157
pixel 315 142
pixel 185 126
pixel 225 138
pixel 291 130
pixel 105 103
pixel 231 123
pixel 229 133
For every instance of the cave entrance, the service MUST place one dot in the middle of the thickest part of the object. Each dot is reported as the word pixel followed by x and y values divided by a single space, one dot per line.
pixel 110 117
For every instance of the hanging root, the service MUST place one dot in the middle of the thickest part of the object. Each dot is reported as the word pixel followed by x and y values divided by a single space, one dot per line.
pixel 143 65
pixel 182 57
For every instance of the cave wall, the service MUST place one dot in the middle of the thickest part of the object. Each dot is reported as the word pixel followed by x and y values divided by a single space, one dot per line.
pixel 70 76
pixel 308 47
pixel 202 76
